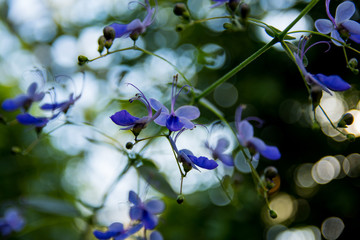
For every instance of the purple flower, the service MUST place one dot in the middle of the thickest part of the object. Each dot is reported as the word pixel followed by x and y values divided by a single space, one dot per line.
pixel 145 211
pixel 219 149
pixel 246 138
pixel 62 106
pixel 155 235
pixel 135 27
pixel 28 119
pixel 125 119
pixel 116 230
pixel 341 25
pixel 189 161
pixel 327 83
pixel 12 221
pixel 24 101
pixel 175 120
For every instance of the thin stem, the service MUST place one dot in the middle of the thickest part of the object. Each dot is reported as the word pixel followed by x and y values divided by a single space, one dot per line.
pixel 236 69
pixel 111 52
pixel 345 55
pixel 208 19
pixel 300 16
pixel 331 123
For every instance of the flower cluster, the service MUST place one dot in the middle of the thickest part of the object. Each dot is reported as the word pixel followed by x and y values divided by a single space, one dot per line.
pixel 12 221
pixel 340 26
pixel 144 215
pixel 36 94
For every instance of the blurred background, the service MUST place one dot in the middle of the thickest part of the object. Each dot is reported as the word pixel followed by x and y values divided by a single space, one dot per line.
pixel 61 185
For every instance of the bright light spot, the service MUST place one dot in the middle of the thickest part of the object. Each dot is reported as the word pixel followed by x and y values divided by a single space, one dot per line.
pixel 216 25
pixel 64 51
pixel 281 20
pixel 325 170
pixel 303 177
pixel 284 206
pixel 354 128
pixel 351 165
pixel 305 233
pixel 226 95
pixel 212 56
pixel 332 227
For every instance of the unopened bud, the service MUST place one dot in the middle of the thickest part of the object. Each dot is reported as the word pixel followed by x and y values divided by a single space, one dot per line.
pixel 129 145
pixel 227 25
pixel 233 4
pixel 180 27
pixel 179 9
pixel 273 214
pixel 316 94
pixel 270 172
pixel 109 33
pixel 244 10
pixel 101 42
pixel 353 63
pixel 134 36
pixel 108 44
pixel 180 199
pixel 351 137
pixel 82 60
pixel 346 119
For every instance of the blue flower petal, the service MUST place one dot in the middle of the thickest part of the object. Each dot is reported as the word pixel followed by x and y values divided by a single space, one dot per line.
pixel 344 12
pixel 134 229
pixel 355 38
pixel 116 227
pixel 173 123
pixel 104 235
pixel 150 221
pixel 226 159
pixel 333 82
pixel 120 30
pixel 352 26
pixel 155 235
pixel 271 153
pixel 335 34
pixel 155 206
pixel 189 112
pixel 124 118
pixel 324 26
pixel 27 119
pixel 203 162
pixel 15 103
pixel 134 198
pixel 136 213
pixel 136 26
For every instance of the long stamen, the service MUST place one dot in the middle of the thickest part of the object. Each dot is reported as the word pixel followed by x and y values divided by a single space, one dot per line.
pixel 143 99
pixel 326 42
pixel 173 91
pixel 327 7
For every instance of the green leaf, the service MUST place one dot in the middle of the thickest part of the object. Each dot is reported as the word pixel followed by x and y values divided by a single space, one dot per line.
pixel 150 173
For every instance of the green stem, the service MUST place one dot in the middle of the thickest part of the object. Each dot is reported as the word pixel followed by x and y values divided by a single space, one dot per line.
pixel 302 13
pixel 236 69
pixel 331 123
pixel 208 19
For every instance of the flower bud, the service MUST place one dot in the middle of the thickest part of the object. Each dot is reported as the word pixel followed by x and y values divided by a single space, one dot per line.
pixel 180 27
pixel 129 145
pixel 270 172
pixel 273 214
pixel 351 137
pixel 227 25
pixel 180 199
pixel 316 94
pixel 233 4
pixel 346 119
pixel 353 63
pixel 134 36
pixel 108 44
pixel 244 10
pixel 109 33
pixel 101 42
pixel 181 10
pixel 82 60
